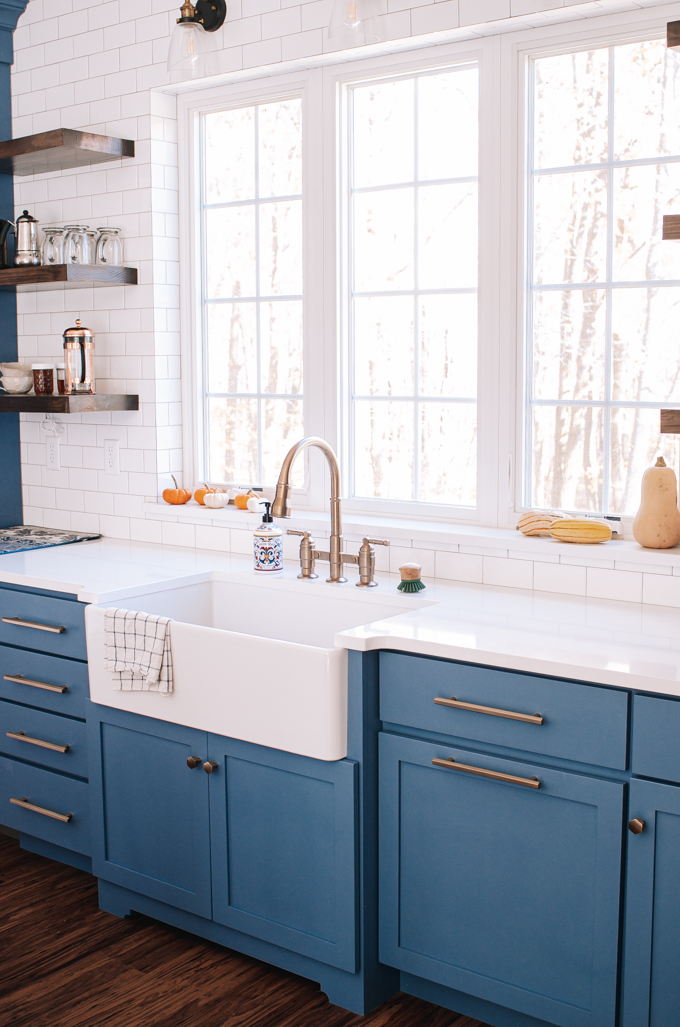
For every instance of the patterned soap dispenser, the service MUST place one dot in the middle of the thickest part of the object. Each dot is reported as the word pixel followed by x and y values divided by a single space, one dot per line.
pixel 268 544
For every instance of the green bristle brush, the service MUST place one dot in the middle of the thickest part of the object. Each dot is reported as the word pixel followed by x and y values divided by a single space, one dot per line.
pixel 410 578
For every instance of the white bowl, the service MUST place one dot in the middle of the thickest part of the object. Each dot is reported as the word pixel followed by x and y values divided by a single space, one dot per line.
pixel 20 385
pixel 16 370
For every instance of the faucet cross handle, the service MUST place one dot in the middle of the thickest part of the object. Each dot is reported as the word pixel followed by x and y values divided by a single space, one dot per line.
pixel 376 541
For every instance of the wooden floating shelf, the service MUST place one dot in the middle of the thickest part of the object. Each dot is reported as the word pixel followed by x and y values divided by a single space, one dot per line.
pixel 100 402
pixel 671 226
pixel 59 150
pixel 67 276
pixel 670 422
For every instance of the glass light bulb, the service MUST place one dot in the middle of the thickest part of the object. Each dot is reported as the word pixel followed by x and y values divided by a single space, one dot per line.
pixel 353 22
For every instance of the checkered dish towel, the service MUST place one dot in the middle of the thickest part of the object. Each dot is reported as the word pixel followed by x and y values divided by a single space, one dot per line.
pixel 138 651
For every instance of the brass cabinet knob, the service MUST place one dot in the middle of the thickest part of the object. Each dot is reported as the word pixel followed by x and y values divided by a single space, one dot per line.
pixel 193 761
pixel 210 766
pixel 636 826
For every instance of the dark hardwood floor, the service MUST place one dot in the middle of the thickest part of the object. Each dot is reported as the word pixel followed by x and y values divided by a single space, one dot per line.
pixel 65 963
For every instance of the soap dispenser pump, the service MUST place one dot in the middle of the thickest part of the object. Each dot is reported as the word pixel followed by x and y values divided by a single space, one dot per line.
pixel 268 544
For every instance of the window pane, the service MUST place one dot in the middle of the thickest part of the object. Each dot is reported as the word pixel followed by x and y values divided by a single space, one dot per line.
pixel 417 246
pixel 383 466
pixel 230 155
pixel 383 346
pixel 383 241
pixel 230 252
pixel 568 445
pixel 282 427
pixel 232 440
pixel 383 133
pixel 646 100
pixel 448 125
pixel 569 344
pixel 448 345
pixel 645 350
pixel 252 253
pixel 570 228
pixel 636 443
pixel 280 153
pixel 448 453
pixel 570 109
pixel 281 248
pixel 281 347
pixel 642 195
pixel 617 343
pixel 232 347
pixel 447 225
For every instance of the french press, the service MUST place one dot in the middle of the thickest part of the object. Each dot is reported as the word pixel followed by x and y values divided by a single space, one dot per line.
pixel 79 360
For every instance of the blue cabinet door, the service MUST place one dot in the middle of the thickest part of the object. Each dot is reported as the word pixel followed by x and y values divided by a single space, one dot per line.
pixel 651 974
pixel 505 892
pixel 150 813
pixel 284 849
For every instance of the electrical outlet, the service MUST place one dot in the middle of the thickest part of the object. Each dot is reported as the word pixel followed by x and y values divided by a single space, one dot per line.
pixel 52 454
pixel 111 456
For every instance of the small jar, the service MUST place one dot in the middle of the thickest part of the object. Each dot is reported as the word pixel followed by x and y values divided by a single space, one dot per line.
pixel 53 246
pixel 61 378
pixel 43 379
pixel 110 247
pixel 78 245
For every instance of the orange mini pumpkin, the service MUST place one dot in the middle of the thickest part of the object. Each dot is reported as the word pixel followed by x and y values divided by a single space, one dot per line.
pixel 241 500
pixel 202 491
pixel 176 496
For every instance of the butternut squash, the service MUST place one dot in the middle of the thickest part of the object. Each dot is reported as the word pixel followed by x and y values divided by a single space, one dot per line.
pixel 657 522
pixel 580 529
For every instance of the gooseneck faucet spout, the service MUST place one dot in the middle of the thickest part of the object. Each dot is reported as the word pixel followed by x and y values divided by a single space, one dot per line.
pixel 281 504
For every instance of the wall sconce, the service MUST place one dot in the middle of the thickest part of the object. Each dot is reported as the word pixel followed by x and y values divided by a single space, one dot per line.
pixel 354 22
pixel 188 44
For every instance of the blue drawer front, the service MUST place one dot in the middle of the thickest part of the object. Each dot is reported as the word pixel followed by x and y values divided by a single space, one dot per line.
pixel 655 751
pixel 38 726
pixel 44 612
pixel 53 671
pixel 49 791
pixel 583 723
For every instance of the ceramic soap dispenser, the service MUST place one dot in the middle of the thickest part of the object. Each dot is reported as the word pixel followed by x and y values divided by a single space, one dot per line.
pixel 268 544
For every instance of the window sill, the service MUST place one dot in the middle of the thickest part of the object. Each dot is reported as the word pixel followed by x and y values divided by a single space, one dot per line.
pixel 436 536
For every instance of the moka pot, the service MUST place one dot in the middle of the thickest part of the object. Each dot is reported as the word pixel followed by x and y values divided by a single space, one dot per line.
pixel 27 252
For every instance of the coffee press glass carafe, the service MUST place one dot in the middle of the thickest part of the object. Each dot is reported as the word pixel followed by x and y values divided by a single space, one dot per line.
pixel 79 360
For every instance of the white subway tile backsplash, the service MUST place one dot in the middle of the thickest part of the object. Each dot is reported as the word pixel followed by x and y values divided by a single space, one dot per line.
pixel 611 584
pixel 562 579
pixel 511 573
pixel 459 566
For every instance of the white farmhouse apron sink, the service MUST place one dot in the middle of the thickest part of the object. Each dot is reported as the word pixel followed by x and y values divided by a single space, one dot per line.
pixel 253 658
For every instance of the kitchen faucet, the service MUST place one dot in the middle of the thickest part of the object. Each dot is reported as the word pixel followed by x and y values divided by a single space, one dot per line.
pixel 308 553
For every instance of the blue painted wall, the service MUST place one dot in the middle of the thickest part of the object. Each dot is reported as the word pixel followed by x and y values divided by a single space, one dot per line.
pixel 10 451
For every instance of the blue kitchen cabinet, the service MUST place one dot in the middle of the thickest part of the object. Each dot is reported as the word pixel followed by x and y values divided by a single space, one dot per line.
pixel 651 974
pixel 501 891
pixel 150 814
pixel 284 849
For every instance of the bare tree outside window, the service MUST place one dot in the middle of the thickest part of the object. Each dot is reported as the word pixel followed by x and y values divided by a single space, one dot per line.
pixel 604 290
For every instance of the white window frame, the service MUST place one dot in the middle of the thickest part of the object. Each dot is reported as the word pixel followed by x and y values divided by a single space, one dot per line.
pixel 503 61
pixel 518 49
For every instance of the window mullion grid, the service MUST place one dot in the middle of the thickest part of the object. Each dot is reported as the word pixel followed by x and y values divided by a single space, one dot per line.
pixel 206 455
pixel 606 442
pixel 416 303
pixel 527 489
pixel 349 293
pixel 260 470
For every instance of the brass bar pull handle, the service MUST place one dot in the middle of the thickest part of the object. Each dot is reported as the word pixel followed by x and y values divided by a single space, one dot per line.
pixel 526 718
pixel 19 680
pixel 66 818
pixel 19 736
pixel 19 623
pixel 636 826
pixel 451 764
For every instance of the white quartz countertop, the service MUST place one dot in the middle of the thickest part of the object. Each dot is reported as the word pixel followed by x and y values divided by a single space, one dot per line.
pixel 628 645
